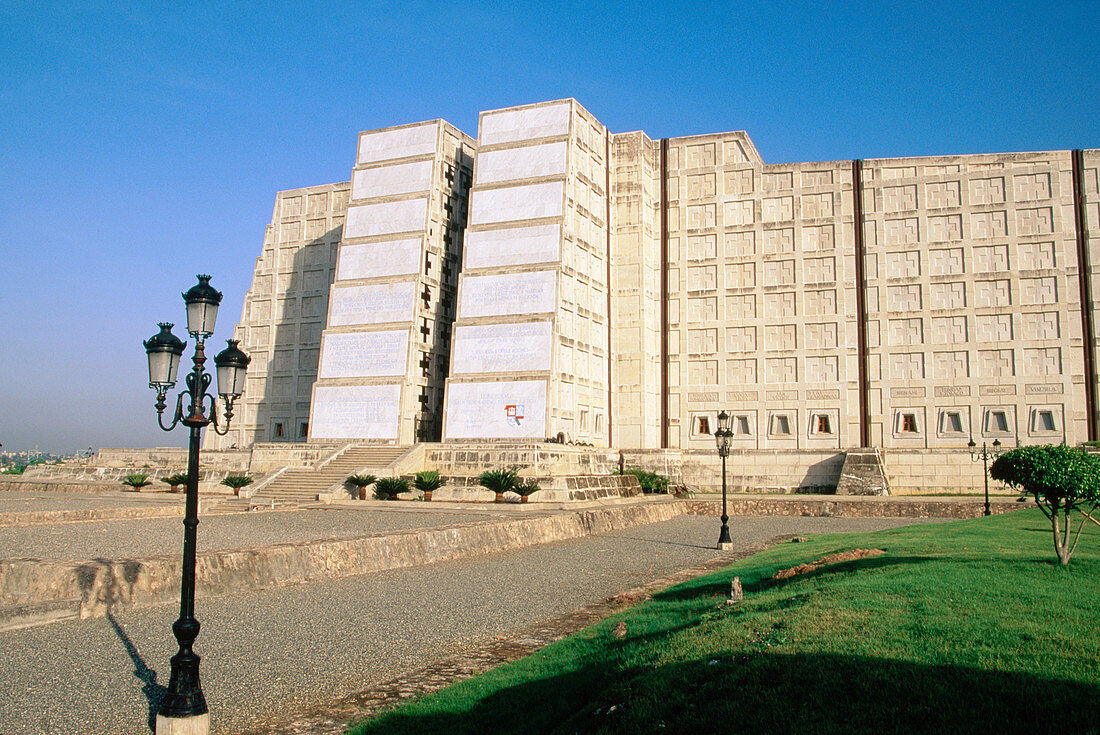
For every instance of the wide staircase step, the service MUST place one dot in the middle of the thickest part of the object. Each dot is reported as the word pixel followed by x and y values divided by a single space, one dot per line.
pixel 306 483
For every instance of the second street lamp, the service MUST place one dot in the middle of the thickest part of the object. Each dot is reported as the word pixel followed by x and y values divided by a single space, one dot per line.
pixel 723 435
pixel 183 710
pixel 985 455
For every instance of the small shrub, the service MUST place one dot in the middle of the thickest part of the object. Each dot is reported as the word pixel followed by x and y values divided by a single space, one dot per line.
pixel 651 482
pixel 428 482
pixel 526 489
pixel 499 481
pixel 361 483
pixel 237 481
pixel 136 480
pixel 388 488
pixel 174 481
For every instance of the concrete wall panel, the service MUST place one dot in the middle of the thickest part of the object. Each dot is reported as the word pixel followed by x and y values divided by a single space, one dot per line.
pixel 373 304
pixel 496 410
pixel 385 218
pixel 513 246
pixel 356 412
pixel 404 178
pixel 502 348
pixel 364 354
pixel 533 122
pixel 386 144
pixel 507 294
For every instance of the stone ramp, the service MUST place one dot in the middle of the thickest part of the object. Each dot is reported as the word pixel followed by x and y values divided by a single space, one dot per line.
pixel 303 485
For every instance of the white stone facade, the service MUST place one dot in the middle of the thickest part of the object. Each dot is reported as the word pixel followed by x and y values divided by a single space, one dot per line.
pixel 621 291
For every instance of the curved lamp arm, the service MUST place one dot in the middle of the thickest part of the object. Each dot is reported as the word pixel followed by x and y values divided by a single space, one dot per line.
pixel 161 405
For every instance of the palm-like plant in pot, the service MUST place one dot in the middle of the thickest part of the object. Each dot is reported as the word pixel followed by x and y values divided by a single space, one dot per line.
pixel 237 482
pixel 361 482
pixel 388 488
pixel 174 481
pixel 526 489
pixel 136 481
pixel 428 482
pixel 499 481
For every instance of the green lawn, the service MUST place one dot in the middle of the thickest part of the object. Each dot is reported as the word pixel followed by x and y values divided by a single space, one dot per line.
pixel 962 627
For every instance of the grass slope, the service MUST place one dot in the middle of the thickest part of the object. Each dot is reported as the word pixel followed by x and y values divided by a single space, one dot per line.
pixel 963 627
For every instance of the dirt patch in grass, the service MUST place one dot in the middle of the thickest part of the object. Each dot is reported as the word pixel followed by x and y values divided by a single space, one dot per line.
pixel 837 558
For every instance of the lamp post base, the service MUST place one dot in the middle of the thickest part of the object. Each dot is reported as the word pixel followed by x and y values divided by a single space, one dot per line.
pixel 724 545
pixel 193 725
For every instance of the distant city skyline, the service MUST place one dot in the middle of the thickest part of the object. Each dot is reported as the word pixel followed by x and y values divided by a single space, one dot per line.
pixel 146 147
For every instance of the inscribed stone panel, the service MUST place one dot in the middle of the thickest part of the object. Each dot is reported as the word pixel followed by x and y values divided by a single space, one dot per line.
pixel 779 241
pixel 737 213
pixel 906 331
pixel 817 237
pixel 506 126
pixel 988 224
pixel 521 163
pixel 995 363
pixel 945 228
pixel 741 306
pixel 386 144
pixel 779 304
pixel 355 412
pixel 1043 361
pixel 741 372
pixel 373 304
pixel 781 370
pixel 1040 325
pixel 948 330
pixel 987 191
pixel 815 206
pixel 496 410
pixel 947 295
pixel 403 178
pixel 950 365
pixel 508 294
pixel 364 354
pixel 1034 221
pixel 945 261
pixel 900 231
pixel 990 258
pixel 740 244
pixel 502 348
pixel 530 201
pixel 819 270
pixel 942 194
pixel 993 293
pixel 1038 290
pixel 740 339
pixel 822 369
pixel 1037 255
pixel 821 336
pixel 1031 186
pixel 384 218
pixel 903 264
pixel 906 365
pixel 512 246
pixel 389 258
pixel 778 209
pixel 993 327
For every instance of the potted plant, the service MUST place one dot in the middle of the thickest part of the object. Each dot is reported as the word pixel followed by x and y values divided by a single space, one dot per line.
pixel 388 488
pixel 136 481
pixel 237 482
pixel 526 490
pixel 499 481
pixel 362 482
pixel 428 482
pixel 174 481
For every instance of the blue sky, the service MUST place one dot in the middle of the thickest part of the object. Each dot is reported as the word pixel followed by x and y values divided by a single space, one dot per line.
pixel 142 143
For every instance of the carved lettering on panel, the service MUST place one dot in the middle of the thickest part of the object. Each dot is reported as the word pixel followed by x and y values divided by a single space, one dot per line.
pixel 822 395
pixel 950 365
pixel 945 391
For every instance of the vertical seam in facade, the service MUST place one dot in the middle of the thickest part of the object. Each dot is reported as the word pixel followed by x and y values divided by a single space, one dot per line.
pixel 1084 275
pixel 664 293
pixel 861 304
pixel 607 225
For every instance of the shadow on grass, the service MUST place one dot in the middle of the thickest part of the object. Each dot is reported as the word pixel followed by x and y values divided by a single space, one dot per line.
pixel 764 692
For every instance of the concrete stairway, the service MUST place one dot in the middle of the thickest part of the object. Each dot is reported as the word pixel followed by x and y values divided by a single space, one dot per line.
pixel 302 485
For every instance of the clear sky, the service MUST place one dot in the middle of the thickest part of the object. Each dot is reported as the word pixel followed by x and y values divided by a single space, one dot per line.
pixel 142 143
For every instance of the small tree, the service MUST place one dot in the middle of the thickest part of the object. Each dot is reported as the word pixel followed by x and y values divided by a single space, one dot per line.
pixel 136 480
pixel 428 482
pixel 237 482
pixel 362 482
pixel 388 488
pixel 1061 479
pixel 174 481
pixel 526 489
pixel 499 481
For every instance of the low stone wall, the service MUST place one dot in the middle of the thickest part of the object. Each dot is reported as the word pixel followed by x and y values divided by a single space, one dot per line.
pixel 271 456
pixel 34 590
pixel 172 459
pixel 747 471
pixel 542 459
pixel 850 507
pixel 941 471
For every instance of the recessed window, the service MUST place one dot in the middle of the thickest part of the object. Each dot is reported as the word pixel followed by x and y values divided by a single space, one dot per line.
pixel 279 430
pixel 780 425
pixel 701 425
pixel 1044 420
pixel 741 425
pixel 599 423
pixel 951 422
pixel 909 423
pixel 996 421
pixel 822 425
pixel 584 420
pixel 303 430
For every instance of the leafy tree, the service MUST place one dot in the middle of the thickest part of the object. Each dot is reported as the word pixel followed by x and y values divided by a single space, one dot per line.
pixel 136 480
pixel 362 482
pixel 388 488
pixel 428 482
pixel 499 481
pixel 1061 479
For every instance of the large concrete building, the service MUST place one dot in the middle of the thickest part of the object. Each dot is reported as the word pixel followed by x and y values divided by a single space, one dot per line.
pixel 554 279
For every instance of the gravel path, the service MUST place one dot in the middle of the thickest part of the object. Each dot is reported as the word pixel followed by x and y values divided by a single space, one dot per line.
pixel 21 502
pixel 145 537
pixel 272 653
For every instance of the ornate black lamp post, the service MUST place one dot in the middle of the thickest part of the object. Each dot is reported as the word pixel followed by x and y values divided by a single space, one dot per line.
pixel 985 455
pixel 722 436
pixel 183 710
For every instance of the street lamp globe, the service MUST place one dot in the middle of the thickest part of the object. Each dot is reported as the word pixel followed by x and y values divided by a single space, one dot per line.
pixel 202 301
pixel 164 350
pixel 231 363
pixel 724 434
